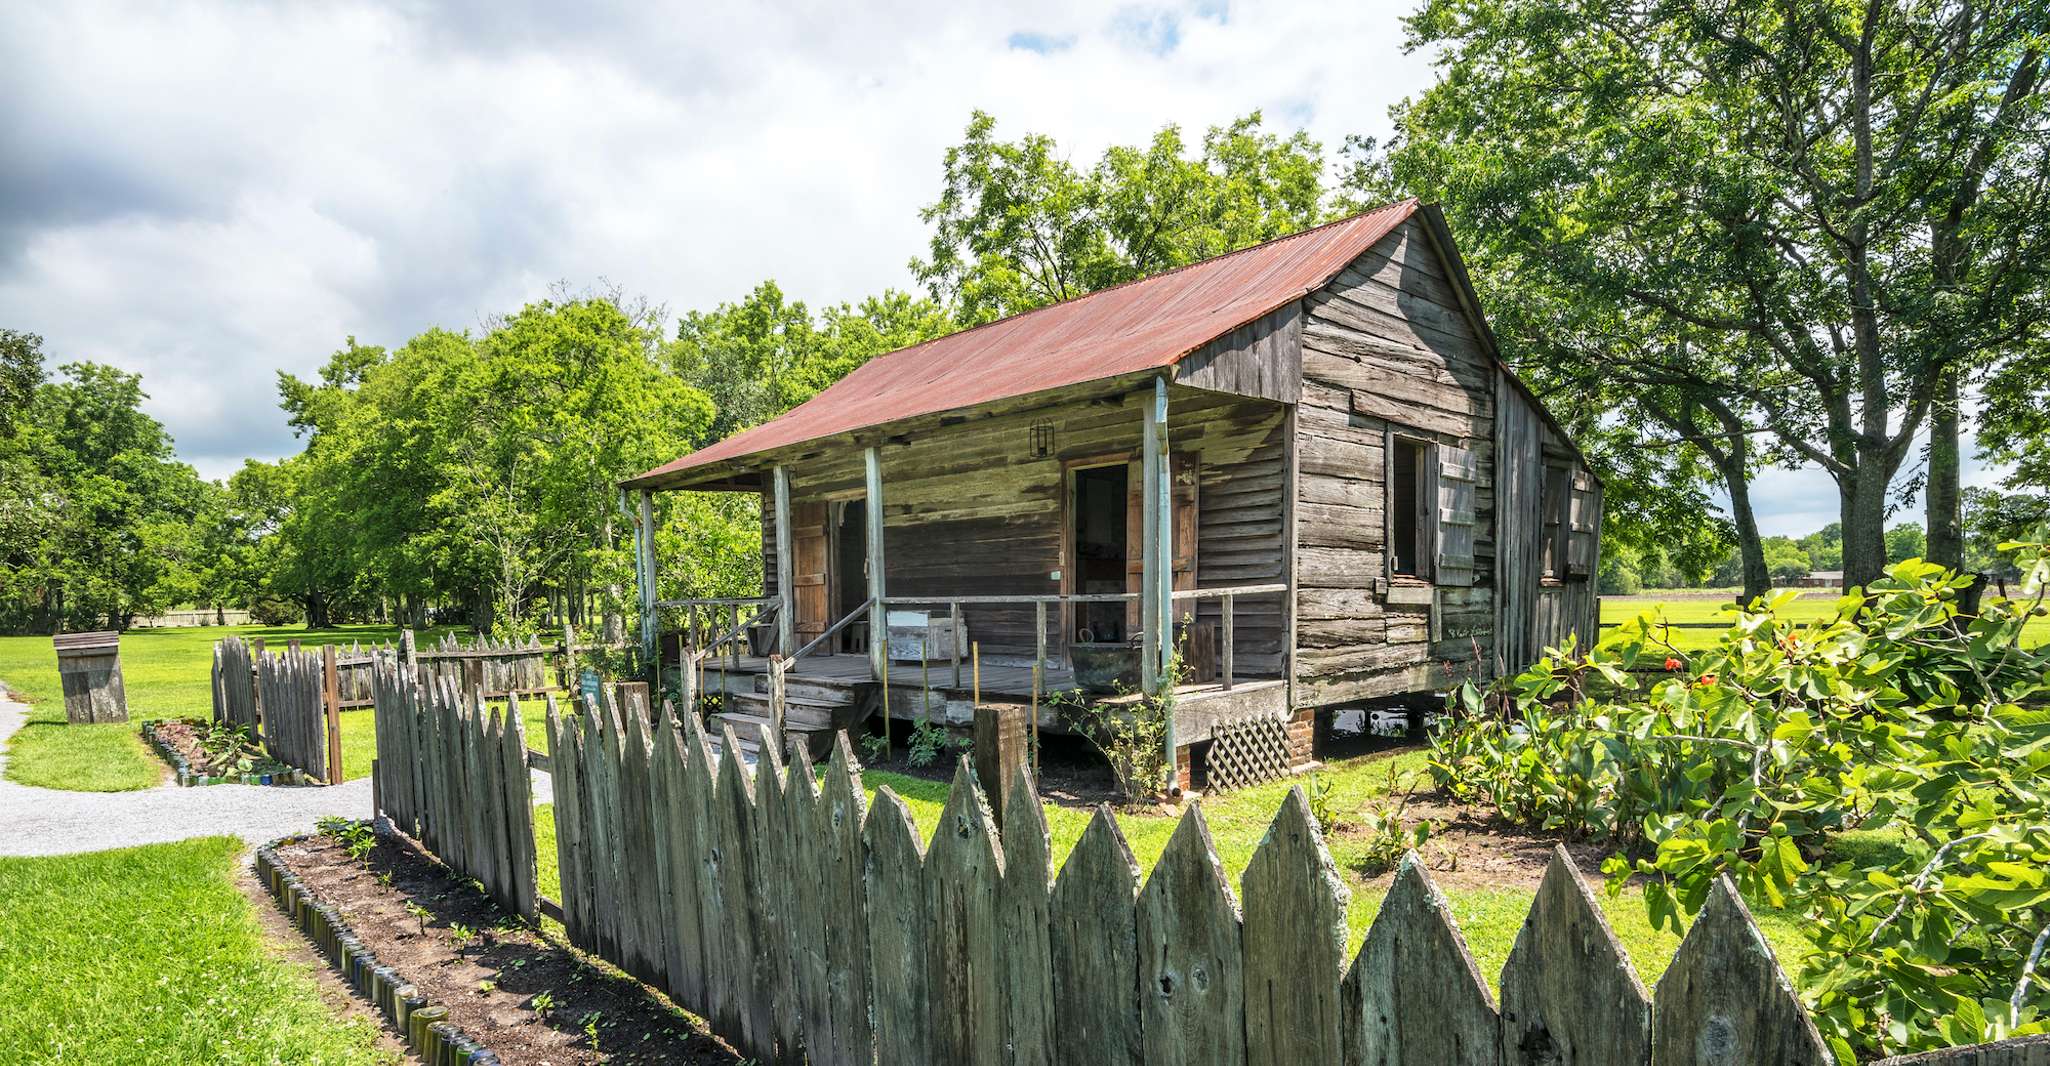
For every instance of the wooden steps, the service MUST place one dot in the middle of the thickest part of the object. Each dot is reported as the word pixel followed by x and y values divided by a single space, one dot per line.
pixel 813 710
pixel 748 729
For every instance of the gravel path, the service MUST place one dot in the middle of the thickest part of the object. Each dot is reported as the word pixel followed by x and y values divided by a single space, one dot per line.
pixel 44 821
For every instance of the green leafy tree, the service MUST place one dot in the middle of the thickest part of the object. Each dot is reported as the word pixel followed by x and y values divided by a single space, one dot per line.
pixel 1842 202
pixel 21 370
pixel 1018 226
pixel 766 354
pixel 98 512
pixel 1905 541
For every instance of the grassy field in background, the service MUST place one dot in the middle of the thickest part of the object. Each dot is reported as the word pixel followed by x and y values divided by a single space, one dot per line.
pixel 1489 917
pixel 152 955
pixel 166 673
pixel 1690 607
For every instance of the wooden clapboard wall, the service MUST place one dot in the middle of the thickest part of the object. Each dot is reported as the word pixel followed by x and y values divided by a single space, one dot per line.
pixel 453 775
pixel 1387 348
pixel 1537 611
pixel 970 509
pixel 808 927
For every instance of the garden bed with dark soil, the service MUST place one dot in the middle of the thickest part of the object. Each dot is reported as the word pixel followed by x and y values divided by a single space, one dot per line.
pixel 183 742
pixel 1472 848
pixel 524 995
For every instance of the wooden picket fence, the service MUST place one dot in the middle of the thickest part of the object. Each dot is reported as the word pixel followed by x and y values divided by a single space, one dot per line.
pixel 808 928
pixel 299 724
pixel 451 771
pixel 234 681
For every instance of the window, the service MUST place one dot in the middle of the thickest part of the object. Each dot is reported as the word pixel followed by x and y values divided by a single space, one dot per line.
pixel 1412 506
pixel 1557 496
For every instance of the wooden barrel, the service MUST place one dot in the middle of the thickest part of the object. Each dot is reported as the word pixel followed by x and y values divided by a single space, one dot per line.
pixel 90 666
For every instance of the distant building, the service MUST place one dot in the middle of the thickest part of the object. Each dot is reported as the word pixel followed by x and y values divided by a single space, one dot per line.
pixel 1819 579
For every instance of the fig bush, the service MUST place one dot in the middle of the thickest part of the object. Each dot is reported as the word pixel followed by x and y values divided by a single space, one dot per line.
pixel 1882 772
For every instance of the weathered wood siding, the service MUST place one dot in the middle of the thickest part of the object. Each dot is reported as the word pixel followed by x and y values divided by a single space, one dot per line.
pixel 1387 347
pixel 1536 612
pixel 970 509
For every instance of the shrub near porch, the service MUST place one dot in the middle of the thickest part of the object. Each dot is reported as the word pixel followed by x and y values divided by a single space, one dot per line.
pixel 1762 756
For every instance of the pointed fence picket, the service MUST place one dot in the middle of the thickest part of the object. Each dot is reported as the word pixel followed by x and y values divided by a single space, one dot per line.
pixel 234 686
pixel 451 771
pixel 809 927
pixel 294 712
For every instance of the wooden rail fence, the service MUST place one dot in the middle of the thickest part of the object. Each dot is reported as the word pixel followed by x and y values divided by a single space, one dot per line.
pixel 451 771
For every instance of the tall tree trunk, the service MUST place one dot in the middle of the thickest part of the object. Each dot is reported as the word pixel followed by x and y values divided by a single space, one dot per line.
pixel 1940 495
pixel 1863 494
pixel 1751 549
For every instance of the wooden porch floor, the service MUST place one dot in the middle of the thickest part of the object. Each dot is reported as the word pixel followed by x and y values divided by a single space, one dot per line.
pixel 1002 682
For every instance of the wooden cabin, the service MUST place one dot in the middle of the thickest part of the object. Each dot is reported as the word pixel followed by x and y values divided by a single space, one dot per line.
pixel 1307 454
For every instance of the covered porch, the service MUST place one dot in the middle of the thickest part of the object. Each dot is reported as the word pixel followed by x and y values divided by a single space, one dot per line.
pixel 996 554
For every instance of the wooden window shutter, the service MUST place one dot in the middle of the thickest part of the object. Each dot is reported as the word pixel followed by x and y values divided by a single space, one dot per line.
pixel 1427 511
pixel 1583 518
pixel 1458 471
pixel 1388 450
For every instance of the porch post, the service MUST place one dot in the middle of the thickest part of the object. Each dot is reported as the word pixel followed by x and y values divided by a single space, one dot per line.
pixel 1156 580
pixel 786 612
pixel 644 564
pixel 878 627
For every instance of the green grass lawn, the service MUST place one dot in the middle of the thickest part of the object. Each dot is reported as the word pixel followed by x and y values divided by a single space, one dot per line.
pixel 1812 604
pixel 151 955
pixel 167 673
pixel 1489 917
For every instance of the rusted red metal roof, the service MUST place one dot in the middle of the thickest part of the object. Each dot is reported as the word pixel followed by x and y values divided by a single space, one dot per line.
pixel 1141 325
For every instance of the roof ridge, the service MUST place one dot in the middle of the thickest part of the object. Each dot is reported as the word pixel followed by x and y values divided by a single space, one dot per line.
pixel 1170 271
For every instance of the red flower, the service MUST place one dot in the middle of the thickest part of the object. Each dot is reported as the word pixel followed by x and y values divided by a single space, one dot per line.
pixel 1706 680
pixel 1672 663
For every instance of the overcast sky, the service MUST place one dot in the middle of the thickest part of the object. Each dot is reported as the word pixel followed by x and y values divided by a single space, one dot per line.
pixel 208 194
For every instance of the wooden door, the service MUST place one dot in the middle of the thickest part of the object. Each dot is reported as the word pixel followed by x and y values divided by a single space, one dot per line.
pixel 1186 476
pixel 809 555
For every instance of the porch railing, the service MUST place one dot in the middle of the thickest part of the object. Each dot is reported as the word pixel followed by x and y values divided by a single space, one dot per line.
pixel 703 635
pixel 953 604
pixel 1227 594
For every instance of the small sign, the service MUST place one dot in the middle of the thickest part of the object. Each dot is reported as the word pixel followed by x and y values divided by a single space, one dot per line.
pixel 588 686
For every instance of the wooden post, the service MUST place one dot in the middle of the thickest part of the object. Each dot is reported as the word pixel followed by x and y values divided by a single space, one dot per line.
pixel 1156 582
pixel 776 703
pixel 1227 641
pixel 733 645
pixel 954 638
pixel 1038 664
pixel 331 705
pixel 975 652
pixel 651 626
pixel 878 622
pixel 565 669
pixel 999 752
pixel 786 614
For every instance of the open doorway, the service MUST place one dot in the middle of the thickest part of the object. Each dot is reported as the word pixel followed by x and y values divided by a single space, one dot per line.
pixel 1102 499
pixel 850 571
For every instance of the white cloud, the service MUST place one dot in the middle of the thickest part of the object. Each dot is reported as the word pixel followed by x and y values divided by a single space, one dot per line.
pixel 210 193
